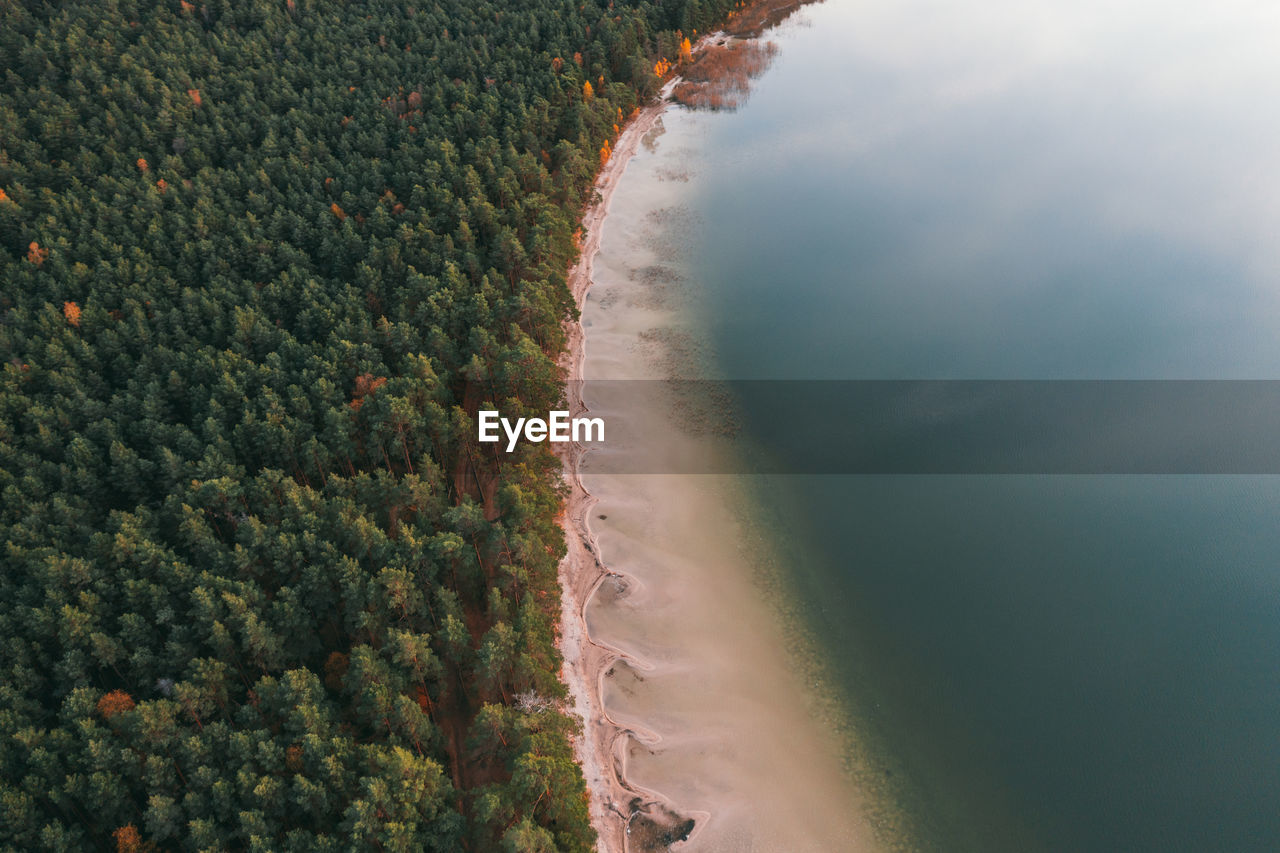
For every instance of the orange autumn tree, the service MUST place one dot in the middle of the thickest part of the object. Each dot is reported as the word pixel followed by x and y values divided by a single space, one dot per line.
pixel 686 50
pixel 142 164
pixel 366 384
pixel 35 254
pixel 587 92
pixel 115 702
pixel 71 311
pixel 128 840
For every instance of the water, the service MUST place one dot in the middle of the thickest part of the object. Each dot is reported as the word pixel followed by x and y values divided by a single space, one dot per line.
pixel 1031 190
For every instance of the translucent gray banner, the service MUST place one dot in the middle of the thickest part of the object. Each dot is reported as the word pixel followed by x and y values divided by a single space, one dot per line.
pixel 935 427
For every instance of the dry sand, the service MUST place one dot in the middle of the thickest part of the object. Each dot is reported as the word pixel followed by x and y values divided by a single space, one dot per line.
pixel 678 665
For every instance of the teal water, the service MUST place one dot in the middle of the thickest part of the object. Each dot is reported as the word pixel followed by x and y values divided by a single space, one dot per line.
pixel 1029 190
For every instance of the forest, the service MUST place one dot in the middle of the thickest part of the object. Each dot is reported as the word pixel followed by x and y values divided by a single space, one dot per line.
pixel 262 262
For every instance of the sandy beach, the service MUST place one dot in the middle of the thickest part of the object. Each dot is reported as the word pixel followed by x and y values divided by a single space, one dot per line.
pixel 700 732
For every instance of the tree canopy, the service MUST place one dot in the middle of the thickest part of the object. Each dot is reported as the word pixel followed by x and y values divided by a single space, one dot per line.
pixel 262 262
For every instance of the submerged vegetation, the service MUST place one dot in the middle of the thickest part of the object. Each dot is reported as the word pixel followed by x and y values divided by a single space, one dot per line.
pixel 721 77
pixel 262 263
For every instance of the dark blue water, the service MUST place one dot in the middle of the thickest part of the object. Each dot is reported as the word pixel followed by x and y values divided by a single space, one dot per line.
pixel 1028 190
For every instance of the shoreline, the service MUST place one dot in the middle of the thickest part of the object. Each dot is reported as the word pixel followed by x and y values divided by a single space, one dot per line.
pixel 666 763
pixel 586 660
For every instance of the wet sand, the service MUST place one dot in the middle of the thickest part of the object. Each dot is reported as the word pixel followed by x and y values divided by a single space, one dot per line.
pixel 693 700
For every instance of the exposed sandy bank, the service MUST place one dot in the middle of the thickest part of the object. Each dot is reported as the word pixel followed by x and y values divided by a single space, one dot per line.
pixel 675 661
pixel 582 570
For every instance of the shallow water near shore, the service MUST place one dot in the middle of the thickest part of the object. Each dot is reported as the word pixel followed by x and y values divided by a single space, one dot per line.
pixel 725 724
pixel 1015 191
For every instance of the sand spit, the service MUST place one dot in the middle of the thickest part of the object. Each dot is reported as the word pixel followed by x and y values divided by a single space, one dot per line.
pixel 699 733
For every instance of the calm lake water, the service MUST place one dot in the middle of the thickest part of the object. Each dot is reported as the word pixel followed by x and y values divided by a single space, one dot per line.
pixel 1022 190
